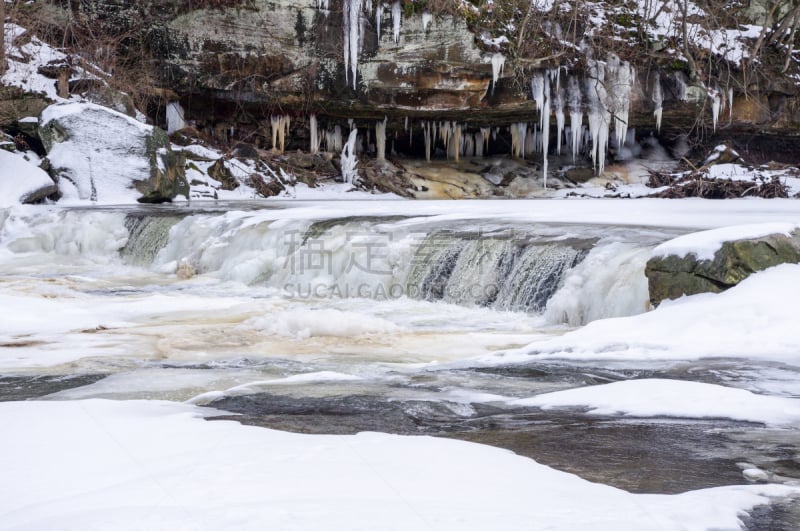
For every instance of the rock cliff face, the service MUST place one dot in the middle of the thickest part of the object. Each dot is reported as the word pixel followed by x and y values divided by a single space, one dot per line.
pixel 233 63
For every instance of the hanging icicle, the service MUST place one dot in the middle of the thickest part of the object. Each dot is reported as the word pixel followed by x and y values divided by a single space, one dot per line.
pixel 426 133
pixel 545 127
pixel 575 114
pixel 730 104
pixel 351 13
pixel 658 101
pixel 560 118
pixel 378 19
pixel 498 61
pixel 396 15
pixel 426 20
pixel 716 102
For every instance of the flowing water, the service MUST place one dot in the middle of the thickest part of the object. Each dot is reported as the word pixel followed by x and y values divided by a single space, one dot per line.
pixel 334 323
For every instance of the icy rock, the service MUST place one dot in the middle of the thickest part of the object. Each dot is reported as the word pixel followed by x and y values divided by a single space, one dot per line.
pixel 673 276
pixel 108 157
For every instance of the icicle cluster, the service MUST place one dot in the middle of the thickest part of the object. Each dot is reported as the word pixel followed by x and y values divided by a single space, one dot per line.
pixel 333 139
pixel 349 159
pixel 280 130
pixel 575 115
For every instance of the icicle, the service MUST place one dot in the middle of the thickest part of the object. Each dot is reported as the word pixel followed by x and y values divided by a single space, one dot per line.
pixel 530 141
pixel 426 20
pixel 314 131
pixel 380 139
pixel 396 13
pixel 560 118
pixel 477 141
pixel 426 132
pixel 323 4
pixel 658 100
pixel 378 17
pixel 349 159
pixel 575 114
pixel 545 127
pixel 681 84
pixel 410 134
pixel 351 13
pixel 468 145
pixel 498 61
pixel 486 132
pixel 175 117
pixel 494 133
pixel 351 123
pixel 730 104
pixel 405 125
pixel 715 106
pixel 537 88
pixel 456 141
pixel 445 131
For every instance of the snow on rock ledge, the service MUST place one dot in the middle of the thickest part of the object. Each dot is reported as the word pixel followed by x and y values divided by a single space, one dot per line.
pixel 715 260
pixel 21 181
pixel 104 156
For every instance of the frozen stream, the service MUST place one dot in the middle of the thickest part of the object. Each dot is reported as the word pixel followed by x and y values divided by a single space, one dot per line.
pixel 342 317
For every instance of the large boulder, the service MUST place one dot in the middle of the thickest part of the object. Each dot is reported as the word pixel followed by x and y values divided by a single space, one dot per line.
pixel 105 156
pixel 673 274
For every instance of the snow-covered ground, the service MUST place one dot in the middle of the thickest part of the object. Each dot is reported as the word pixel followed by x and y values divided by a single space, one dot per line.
pixel 755 319
pixel 672 398
pixel 110 465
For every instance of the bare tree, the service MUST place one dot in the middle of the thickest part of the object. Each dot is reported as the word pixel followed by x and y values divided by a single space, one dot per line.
pixel 2 37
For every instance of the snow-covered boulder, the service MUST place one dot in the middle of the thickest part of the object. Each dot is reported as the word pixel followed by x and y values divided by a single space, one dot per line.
pixel 21 181
pixel 715 260
pixel 104 156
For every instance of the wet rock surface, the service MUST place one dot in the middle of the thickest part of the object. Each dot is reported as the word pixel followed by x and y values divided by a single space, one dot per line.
pixel 36 386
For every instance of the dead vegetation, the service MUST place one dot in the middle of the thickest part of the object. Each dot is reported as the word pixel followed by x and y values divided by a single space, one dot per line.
pixel 699 184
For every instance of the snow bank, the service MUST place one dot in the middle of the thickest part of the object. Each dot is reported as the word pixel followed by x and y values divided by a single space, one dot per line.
pixel 706 243
pixel 672 398
pixel 755 319
pixel 109 465
pixel 20 180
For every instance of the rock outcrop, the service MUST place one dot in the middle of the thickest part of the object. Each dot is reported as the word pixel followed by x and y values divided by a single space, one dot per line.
pixel 101 155
pixel 672 276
